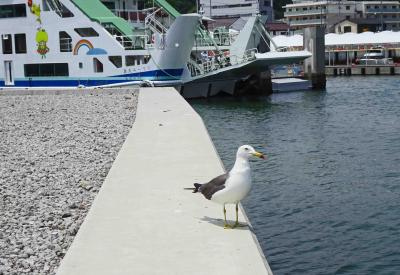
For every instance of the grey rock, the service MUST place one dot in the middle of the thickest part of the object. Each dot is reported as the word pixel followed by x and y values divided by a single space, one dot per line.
pixel 85 185
pixel 29 251
pixel 66 215
pixel 50 143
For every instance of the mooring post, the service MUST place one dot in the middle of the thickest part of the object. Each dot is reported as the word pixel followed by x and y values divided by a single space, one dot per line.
pixel 314 67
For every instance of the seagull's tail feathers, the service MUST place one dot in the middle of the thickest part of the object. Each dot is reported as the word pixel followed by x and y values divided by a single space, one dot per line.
pixel 195 188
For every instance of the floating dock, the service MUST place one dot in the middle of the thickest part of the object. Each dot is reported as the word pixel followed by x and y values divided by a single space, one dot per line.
pixel 289 84
pixel 144 222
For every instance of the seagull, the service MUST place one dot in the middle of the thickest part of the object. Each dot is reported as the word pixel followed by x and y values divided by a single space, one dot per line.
pixel 231 187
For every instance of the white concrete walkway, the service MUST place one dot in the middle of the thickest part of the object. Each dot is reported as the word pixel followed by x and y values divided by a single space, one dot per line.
pixel 143 222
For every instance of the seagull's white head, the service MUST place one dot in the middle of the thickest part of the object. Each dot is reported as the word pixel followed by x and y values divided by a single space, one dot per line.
pixel 246 151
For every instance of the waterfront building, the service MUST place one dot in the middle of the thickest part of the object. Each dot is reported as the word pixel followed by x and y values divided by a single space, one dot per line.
pixel 302 14
pixel 387 13
pixel 236 8
pixel 278 28
pixel 357 25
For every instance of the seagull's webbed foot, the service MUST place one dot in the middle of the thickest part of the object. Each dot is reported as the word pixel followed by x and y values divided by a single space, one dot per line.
pixel 228 226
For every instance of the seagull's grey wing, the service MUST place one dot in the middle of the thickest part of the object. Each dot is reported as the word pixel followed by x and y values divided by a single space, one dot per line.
pixel 214 185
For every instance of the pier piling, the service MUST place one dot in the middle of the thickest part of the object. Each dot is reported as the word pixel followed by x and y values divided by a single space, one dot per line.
pixel 314 67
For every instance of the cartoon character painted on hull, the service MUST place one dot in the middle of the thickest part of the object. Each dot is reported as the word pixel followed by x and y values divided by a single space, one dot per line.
pixel 41 36
pixel 35 9
pixel 41 39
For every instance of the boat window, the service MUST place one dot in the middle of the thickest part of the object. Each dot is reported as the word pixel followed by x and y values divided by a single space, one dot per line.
pixel 58 7
pixel 65 42
pixel 132 60
pixel 97 66
pixel 47 69
pixel 7 11
pixel 20 43
pixel 116 60
pixel 86 32
pixel 7 43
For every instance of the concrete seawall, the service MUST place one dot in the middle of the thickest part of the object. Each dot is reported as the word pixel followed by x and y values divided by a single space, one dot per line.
pixel 143 222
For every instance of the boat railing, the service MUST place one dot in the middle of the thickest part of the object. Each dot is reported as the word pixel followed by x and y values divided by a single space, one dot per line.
pixel 224 38
pixel 154 23
pixel 248 55
pixel 133 42
pixel 203 41
pixel 219 61
pixel 219 40
pixel 133 16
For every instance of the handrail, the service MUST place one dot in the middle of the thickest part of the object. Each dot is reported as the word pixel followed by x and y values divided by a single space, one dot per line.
pixel 130 15
pixel 214 63
pixel 152 18
pixel 129 42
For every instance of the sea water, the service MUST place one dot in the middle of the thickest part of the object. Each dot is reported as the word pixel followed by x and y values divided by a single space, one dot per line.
pixel 327 199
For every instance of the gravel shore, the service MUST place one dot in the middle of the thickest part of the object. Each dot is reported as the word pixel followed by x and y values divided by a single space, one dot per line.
pixel 56 149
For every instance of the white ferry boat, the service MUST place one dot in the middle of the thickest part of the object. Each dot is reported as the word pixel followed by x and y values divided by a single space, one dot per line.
pixel 82 43
pixel 222 60
pixel 77 43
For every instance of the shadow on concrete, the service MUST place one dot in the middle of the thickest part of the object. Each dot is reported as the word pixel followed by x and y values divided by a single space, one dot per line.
pixel 220 223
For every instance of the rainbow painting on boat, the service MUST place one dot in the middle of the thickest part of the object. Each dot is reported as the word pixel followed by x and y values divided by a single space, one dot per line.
pixel 82 43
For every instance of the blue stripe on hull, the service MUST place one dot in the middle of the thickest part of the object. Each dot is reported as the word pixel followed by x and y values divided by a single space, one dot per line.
pixel 159 75
pixel 172 73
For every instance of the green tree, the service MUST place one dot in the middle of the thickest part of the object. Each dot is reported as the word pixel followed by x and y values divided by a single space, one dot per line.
pixel 278 4
pixel 183 6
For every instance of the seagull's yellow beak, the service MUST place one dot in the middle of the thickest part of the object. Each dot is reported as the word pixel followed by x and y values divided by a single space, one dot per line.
pixel 259 155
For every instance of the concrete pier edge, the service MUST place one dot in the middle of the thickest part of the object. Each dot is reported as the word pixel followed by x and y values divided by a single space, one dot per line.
pixel 143 222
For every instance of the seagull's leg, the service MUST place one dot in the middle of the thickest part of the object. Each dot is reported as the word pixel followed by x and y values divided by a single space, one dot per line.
pixel 237 217
pixel 226 225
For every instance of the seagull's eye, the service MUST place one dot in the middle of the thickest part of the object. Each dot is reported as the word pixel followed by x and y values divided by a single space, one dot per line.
pixel 247 149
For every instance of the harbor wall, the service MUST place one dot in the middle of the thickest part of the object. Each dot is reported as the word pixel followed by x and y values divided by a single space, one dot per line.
pixel 362 70
pixel 144 222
